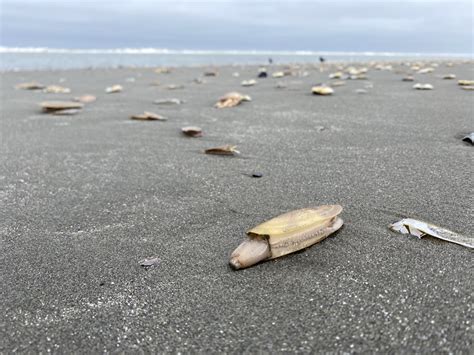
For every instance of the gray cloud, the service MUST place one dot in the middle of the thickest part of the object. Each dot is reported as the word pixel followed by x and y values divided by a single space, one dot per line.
pixel 344 25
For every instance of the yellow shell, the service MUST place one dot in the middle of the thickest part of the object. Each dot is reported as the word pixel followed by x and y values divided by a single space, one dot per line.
pixel 298 229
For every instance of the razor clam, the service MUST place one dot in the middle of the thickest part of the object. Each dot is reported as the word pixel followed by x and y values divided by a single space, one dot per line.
pixel 286 234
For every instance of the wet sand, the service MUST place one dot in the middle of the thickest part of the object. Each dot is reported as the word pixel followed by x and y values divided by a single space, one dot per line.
pixel 84 198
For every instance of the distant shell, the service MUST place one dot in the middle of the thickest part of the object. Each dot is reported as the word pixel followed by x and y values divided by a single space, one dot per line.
pixel 168 102
pixel 56 89
pixel 210 73
pixel 30 86
pixel 337 83
pixel 114 89
pixel 278 74
pixel 467 87
pixel 162 70
pixel 148 116
pixel 250 82
pixel 361 91
pixel 322 90
pixel 408 78
pixel 49 106
pixel 425 70
pixel 449 77
pixel 336 75
pixel 68 112
pixel 223 150
pixel 85 99
pixel 420 86
pixel 192 131
pixel 174 87
pixel 466 82
pixel 232 99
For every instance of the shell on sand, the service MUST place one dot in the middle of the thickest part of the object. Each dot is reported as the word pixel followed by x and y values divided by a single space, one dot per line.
pixel 162 70
pixel 174 87
pixel 85 99
pixel 322 90
pixel 29 86
pixel 232 99
pixel 49 106
pixel 168 102
pixel 68 112
pixel 223 150
pixel 56 89
pixel 210 73
pixel 420 86
pixel 278 74
pixel 449 77
pixel 114 89
pixel 192 131
pixel 467 87
pixel 466 82
pixel 336 75
pixel 148 116
pixel 337 83
pixel 425 70
pixel 250 82
pixel 408 78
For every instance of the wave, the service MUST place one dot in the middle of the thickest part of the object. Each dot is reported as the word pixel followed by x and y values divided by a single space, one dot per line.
pixel 165 51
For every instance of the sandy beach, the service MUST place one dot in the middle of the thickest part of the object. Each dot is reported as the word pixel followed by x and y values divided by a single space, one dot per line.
pixel 84 198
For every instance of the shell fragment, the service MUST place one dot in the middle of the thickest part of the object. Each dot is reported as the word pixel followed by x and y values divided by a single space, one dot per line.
pixel 148 116
pixel 192 131
pixel 56 89
pixel 420 229
pixel 286 234
pixel 223 150
pixel 50 106
pixel 469 138
pixel 232 99
pixel 85 99
pixel 114 89
pixel 466 82
pixel 322 90
pixel 250 82
pixel 30 86
pixel 420 86
pixel 168 102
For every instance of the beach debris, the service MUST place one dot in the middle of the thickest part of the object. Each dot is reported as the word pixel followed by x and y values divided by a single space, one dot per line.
pixel 172 101
pixel 469 138
pixel 449 77
pixel 278 74
pixel 408 78
pixel 51 106
pixel 113 89
pixel 148 116
pixel 162 70
pixel 250 82
pixel 211 72
pixel 232 99
pixel 322 90
pixel 420 86
pixel 467 87
pixel 56 89
pixel 286 234
pixel 174 87
pixel 337 83
pixel 425 70
pixel 68 112
pixel 361 91
pixel 192 131
pixel 33 85
pixel 223 150
pixel 149 262
pixel 420 229
pixel 466 82
pixel 262 73
pixel 85 99
pixel 336 75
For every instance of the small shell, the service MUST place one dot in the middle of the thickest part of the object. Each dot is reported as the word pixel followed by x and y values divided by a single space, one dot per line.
pixel 168 102
pixel 322 90
pixel 114 89
pixel 49 106
pixel 469 138
pixel 425 70
pixel 466 82
pixel 148 116
pixel 337 83
pixel 231 99
pixel 336 75
pixel 250 82
pixel 162 70
pixel 174 87
pixel 191 131
pixel 420 86
pixel 278 74
pixel 68 112
pixel 56 89
pixel 85 99
pixel 210 73
pixel 30 86
pixel 408 78
pixel 449 77
pixel 467 87
pixel 223 150
pixel 361 91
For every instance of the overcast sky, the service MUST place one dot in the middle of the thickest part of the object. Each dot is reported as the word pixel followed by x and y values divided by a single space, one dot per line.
pixel 337 25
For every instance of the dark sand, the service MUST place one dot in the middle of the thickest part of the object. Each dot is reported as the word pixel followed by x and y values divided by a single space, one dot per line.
pixel 85 198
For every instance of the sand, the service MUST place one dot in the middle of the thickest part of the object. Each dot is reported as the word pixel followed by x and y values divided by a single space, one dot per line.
pixel 85 198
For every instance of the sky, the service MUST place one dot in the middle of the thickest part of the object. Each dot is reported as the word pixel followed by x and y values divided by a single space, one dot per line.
pixel 423 26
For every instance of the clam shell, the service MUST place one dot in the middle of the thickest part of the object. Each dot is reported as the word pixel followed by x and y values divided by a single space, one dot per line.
pixel 56 89
pixel 30 86
pixel 232 99
pixel 322 90
pixel 466 82
pixel 223 150
pixel 114 89
pixel 192 131
pixel 408 78
pixel 250 82
pixel 148 116
pixel 449 77
pixel 49 106
pixel 278 74
pixel 420 86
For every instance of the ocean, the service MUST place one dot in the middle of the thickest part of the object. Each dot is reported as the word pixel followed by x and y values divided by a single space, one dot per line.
pixel 14 59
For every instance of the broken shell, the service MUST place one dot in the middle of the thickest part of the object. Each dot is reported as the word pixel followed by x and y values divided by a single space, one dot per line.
pixel 192 131
pixel 425 71
pixel 223 150
pixel 149 262
pixel 49 106
pixel 469 138
pixel 336 75
pixel 232 99
pixel 68 112
pixel 85 99
pixel 30 86
pixel 286 234
pixel 322 90
pixel 148 116
pixel 449 77
pixel 408 78
pixel 419 86
pixel 466 82
pixel 174 87
pixel 114 89
pixel 468 87
pixel 56 89
pixel 278 74
pixel 250 82
pixel 168 102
